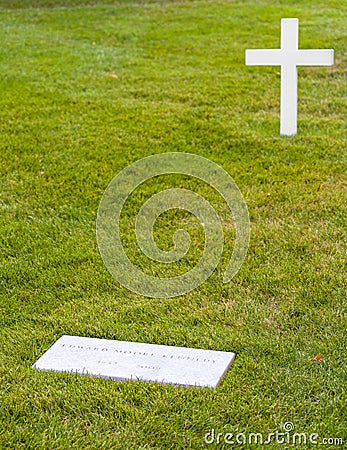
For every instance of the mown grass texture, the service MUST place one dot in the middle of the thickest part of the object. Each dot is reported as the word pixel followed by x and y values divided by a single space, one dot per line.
pixel 87 88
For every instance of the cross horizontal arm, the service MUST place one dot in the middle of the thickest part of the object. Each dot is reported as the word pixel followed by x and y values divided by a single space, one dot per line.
pixel 264 57
pixel 298 57
pixel 314 58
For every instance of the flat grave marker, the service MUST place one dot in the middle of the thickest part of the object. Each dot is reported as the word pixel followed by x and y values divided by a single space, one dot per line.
pixel 121 360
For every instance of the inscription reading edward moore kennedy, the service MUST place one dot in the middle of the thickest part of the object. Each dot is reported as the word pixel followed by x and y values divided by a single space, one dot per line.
pixel 122 360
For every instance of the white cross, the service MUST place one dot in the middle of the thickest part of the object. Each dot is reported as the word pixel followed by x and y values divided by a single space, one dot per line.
pixel 289 57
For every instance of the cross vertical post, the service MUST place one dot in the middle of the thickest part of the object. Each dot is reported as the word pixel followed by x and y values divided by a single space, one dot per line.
pixel 289 77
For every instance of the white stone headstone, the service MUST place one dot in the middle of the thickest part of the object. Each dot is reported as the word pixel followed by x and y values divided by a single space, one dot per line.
pixel 122 360
pixel 289 57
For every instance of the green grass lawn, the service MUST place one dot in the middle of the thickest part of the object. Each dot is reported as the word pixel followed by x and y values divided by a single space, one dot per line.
pixel 87 88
